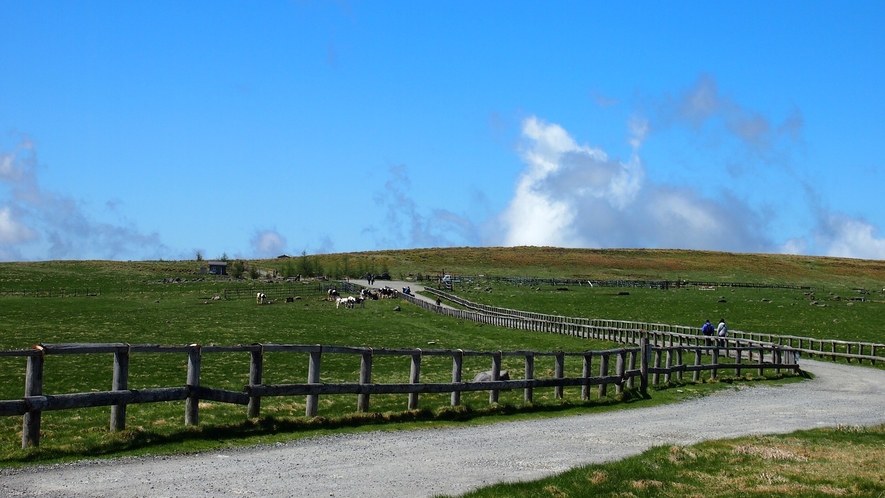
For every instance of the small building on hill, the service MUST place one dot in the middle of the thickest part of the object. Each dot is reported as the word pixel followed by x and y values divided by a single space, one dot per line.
pixel 217 267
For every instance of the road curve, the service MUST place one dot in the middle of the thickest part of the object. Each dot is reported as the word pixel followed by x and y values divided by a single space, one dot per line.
pixel 456 460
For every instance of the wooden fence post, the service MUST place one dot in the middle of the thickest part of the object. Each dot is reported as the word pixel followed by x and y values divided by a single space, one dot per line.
pixel 715 369
pixel 529 375
pixel 632 366
pixel 761 361
pixel 586 372
pixel 559 370
pixel 33 387
pixel 457 364
pixel 256 369
pixel 496 375
pixel 776 358
pixel 603 372
pixel 415 378
pixel 656 377
pixel 192 404
pixel 679 362
pixel 120 382
pixel 696 375
pixel 645 351
pixel 620 370
pixel 737 359
pixel 313 377
pixel 362 404
pixel 669 365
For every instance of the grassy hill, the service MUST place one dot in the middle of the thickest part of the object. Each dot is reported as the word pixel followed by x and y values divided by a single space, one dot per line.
pixel 597 264
pixel 169 302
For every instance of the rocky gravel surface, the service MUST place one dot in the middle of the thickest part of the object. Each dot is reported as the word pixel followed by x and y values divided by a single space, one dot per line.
pixel 451 461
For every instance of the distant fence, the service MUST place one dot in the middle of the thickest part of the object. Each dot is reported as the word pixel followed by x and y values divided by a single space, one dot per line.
pixel 246 289
pixel 626 283
pixel 279 291
pixel 617 367
pixel 622 331
pixel 59 292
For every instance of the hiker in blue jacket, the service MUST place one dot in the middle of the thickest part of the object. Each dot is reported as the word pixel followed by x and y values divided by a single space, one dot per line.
pixel 707 329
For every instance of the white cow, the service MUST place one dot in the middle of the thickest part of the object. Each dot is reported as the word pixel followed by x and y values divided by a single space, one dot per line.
pixel 261 298
pixel 347 302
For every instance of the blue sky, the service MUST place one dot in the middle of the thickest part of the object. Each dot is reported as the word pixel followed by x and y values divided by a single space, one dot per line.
pixel 156 130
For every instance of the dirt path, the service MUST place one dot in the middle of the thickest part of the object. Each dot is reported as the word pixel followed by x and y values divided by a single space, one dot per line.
pixel 452 461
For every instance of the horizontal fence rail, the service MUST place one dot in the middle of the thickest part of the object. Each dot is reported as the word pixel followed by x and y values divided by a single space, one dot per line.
pixel 616 367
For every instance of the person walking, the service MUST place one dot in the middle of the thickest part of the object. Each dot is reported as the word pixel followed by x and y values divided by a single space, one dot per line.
pixel 722 332
pixel 707 330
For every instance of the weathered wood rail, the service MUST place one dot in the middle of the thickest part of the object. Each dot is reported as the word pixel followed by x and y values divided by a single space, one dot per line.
pixel 628 332
pixel 617 367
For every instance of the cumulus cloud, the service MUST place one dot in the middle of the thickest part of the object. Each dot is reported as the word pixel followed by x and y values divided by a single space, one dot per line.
pixel 575 195
pixel 11 231
pixel 268 243
pixel 847 237
pixel 34 221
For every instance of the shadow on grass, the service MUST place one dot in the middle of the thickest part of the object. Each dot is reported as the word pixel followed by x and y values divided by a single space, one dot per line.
pixel 208 437
pixel 248 432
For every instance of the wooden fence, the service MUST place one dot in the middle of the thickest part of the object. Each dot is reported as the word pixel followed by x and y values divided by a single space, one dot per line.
pixel 628 332
pixel 52 292
pixel 617 367
pixel 623 283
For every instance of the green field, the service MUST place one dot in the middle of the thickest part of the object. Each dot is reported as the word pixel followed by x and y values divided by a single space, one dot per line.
pixel 169 303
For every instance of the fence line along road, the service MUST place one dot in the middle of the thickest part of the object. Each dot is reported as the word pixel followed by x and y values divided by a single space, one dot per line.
pixel 627 331
pixel 617 367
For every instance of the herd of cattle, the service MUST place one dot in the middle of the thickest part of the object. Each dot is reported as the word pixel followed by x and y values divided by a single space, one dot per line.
pixel 348 301
pixel 365 294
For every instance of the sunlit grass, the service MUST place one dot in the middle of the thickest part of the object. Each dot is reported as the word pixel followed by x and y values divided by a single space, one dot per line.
pixel 845 461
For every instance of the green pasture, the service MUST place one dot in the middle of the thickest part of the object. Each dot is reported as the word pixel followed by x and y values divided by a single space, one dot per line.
pixel 818 313
pixel 844 461
pixel 170 303
pixel 187 317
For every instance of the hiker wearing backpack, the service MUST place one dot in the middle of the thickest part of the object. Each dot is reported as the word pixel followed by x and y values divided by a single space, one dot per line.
pixel 722 332
pixel 707 330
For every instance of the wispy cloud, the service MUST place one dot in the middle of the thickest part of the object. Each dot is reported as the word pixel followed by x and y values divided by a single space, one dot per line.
pixel 703 108
pixel 49 225
pixel 406 224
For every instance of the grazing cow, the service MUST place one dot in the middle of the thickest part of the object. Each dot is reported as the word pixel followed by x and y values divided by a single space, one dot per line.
pixel 290 299
pixel 261 298
pixel 348 302
pixel 487 376
pixel 388 292
pixel 333 294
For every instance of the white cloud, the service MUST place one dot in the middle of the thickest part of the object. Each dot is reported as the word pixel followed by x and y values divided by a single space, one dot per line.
pixel 268 243
pixel 846 237
pixel 794 246
pixel 49 225
pixel 11 231
pixel 577 196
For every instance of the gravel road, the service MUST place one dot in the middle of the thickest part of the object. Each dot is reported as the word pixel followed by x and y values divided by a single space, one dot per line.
pixel 452 461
